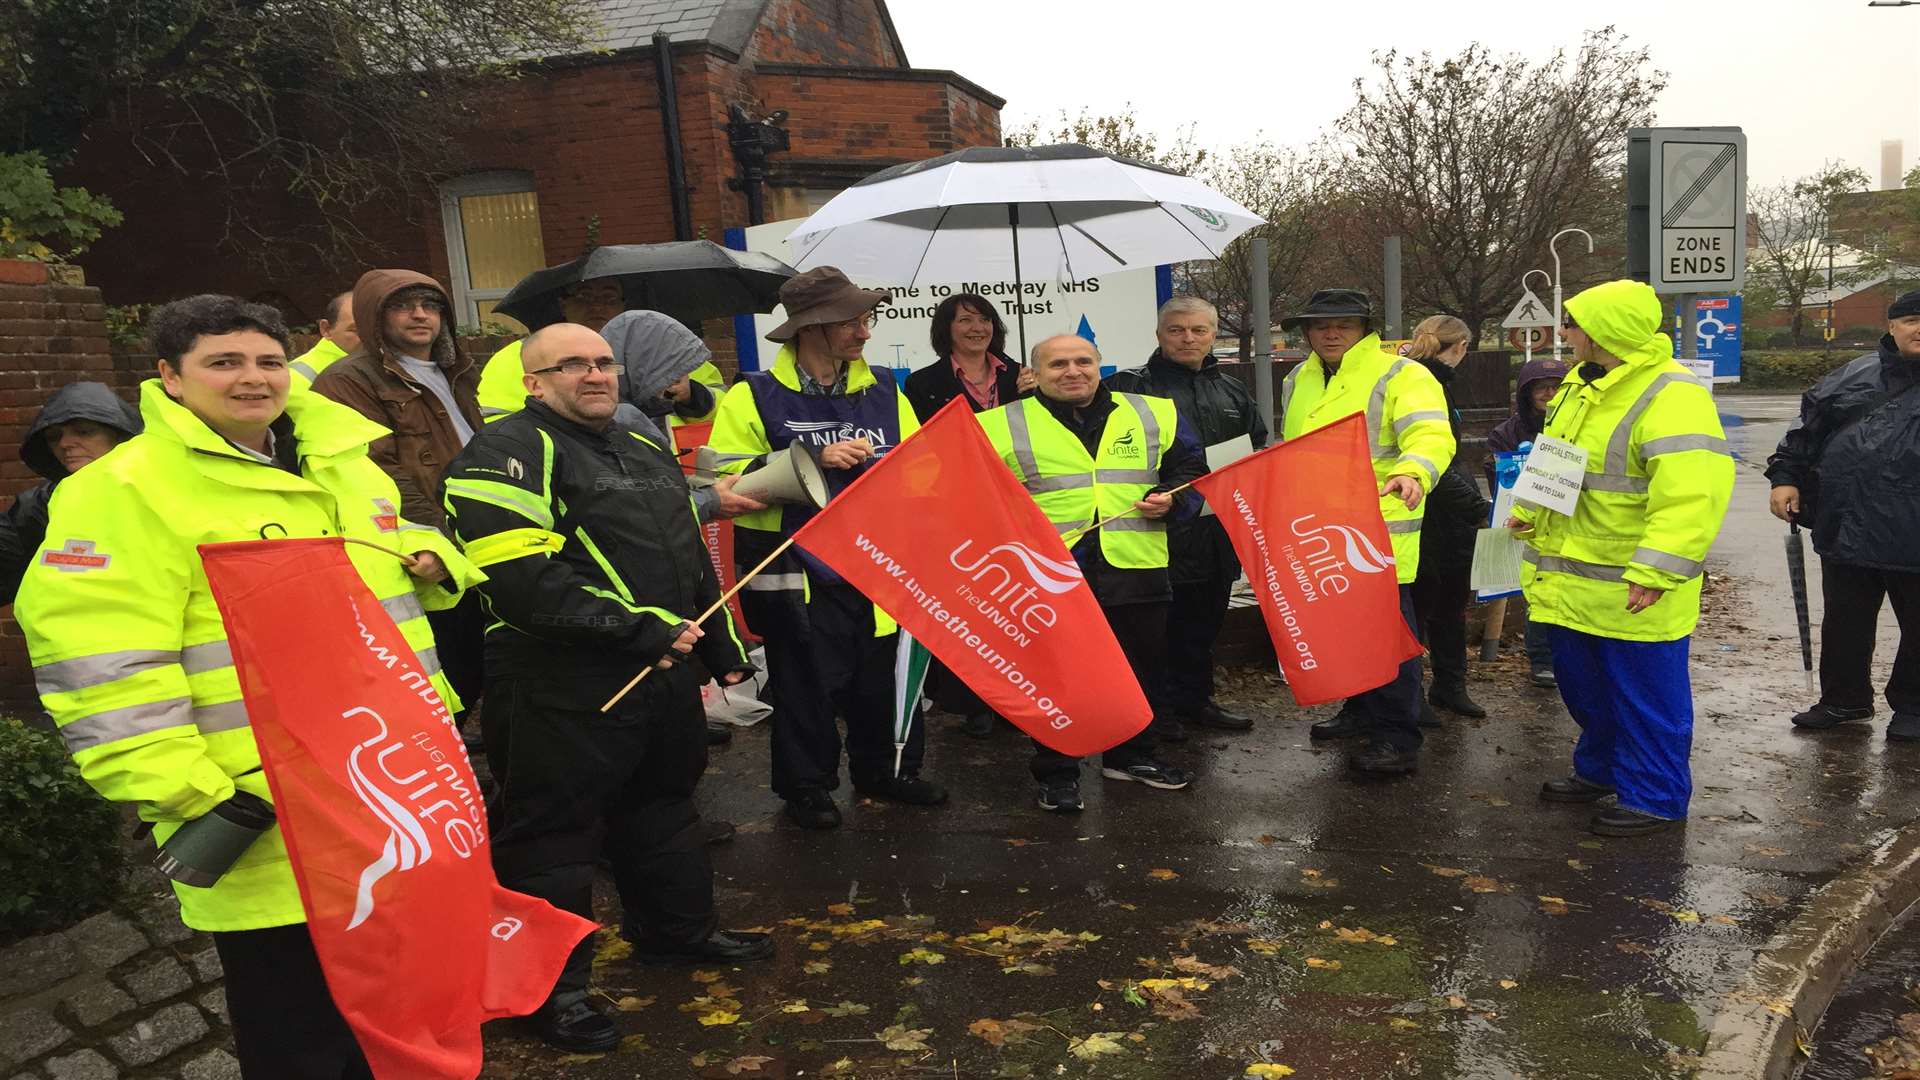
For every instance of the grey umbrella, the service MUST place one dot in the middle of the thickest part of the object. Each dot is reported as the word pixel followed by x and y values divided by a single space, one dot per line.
pixel 687 279
pixel 1797 580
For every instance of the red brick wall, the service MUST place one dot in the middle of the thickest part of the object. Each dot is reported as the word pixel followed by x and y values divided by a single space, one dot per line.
pixel 843 114
pixel 50 335
pixel 824 32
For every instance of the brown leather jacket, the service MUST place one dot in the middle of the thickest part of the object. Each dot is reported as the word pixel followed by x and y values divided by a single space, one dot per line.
pixel 372 382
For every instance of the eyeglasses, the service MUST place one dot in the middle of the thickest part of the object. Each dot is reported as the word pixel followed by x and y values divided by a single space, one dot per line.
pixel 424 303
pixel 579 369
pixel 1567 323
pixel 868 320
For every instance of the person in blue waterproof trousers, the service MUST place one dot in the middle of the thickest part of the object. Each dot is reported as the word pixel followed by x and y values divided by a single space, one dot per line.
pixel 1616 577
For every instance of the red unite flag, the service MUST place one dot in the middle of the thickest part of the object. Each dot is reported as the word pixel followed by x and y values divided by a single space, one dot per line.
pixel 1304 517
pixel 941 536
pixel 381 814
pixel 687 439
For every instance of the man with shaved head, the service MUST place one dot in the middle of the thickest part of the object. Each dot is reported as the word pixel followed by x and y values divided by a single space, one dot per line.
pixel 1105 463
pixel 339 335
pixel 596 569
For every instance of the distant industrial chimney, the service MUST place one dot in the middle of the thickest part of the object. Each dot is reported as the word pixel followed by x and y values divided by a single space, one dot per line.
pixel 1892 164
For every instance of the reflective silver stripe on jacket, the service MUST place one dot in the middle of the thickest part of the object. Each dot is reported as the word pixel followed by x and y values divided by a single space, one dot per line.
pixel 493 410
pixel 113 725
pixel 1433 474
pixel 304 369
pixel 1404 525
pixel 1613 475
pixel 1065 527
pixel 429 660
pixel 403 607
pixel 1377 405
pixel 225 716
pixel 1069 482
pixel 1150 427
pixel 1672 564
pixel 1674 444
pixel 82 672
pixel 1021 436
pixel 1560 564
pixel 206 656
pixel 1286 395
pixel 1134 524
pixel 777 582
pixel 1401 425
pixel 1148 477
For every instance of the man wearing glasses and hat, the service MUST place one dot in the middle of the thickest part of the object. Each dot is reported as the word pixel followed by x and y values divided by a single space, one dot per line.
pixel 830 651
pixel 1412 442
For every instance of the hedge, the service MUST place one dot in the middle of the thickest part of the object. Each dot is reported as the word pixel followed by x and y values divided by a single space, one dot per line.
pixel 59 840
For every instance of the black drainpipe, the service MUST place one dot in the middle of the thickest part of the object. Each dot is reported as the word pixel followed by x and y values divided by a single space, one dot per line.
pixel 670 126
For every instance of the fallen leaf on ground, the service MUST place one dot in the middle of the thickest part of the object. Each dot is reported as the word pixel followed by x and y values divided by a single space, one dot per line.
pixel 633 1004
pixel 1186 982
pixel 1103 1042
pixel 1445 871
pixel 1329 965
pixel 1193 965
pixel 796 1007
pixel 1578 865
pixel 705 976
pixel 1480 883
pixel 1401 1023
pixel 817 967
pixel 1765 851
pixel 1724 920
pixel 1508 984
pixel 839 909
pixel 634 1044
pixel 611 947
pixel 1455 1001
pixel 746 1063
pixel 1687 916
pixel 901 1037
pixel 923 956
pixel 718 1017
pixel 1767 899
pixel 1266 1070
pixel 1001 1032
pixel 1552 905
pixel 1263 946
pixel 846 1008
pixel 1161 873
pixel 1268 839
pixel 1172 1004
pixel 1630 947
pixel 1027 967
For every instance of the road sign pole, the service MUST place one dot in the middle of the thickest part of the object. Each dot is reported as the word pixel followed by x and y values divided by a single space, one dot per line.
pixel 1260 312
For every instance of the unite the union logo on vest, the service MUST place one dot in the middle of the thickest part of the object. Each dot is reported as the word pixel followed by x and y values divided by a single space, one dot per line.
pixel 1126 446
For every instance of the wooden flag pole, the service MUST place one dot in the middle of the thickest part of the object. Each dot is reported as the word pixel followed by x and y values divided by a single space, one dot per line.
pixel 402 556
pixel 1073 537
pixel 704 616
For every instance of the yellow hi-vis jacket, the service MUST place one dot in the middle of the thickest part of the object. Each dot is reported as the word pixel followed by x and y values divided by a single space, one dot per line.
pixel 1074 488
pixel 129 651
pixel 1407 426
pixel 740 438
pixel 308 365
pixel 502 391
pixel 1659 475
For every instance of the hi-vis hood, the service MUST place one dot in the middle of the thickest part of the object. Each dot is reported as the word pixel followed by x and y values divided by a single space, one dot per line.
pixel 1624 318
pixel 658 351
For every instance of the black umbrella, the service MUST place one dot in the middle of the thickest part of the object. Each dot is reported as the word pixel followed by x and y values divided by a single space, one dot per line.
pixel 687 279
pixel 1797 580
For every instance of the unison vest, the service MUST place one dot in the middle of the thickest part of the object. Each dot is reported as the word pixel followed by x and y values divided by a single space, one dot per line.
pixel 1075 488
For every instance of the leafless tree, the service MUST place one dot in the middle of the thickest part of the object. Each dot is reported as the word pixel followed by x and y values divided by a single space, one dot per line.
pixel 1119 134
pixel 1280 186
pixel 1790 220
pixel 1476 160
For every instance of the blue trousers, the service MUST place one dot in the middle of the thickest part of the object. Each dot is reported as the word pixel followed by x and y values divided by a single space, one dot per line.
pixel 1633 701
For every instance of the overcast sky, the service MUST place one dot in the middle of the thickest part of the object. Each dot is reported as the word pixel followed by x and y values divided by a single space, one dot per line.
pixel 1810 81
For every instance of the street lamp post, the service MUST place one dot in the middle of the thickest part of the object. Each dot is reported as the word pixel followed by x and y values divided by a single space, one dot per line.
pixel 1827 333
pixel 1553 246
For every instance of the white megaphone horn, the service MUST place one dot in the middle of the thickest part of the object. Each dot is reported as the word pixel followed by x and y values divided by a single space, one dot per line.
pixel 789 476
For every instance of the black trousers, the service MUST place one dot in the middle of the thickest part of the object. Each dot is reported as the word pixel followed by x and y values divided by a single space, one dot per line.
pixel 458 635
pixel 1848 627
pixel 1392 711
pixel 285 1025
pixel 1141 630
pixel 823 662
pixel 571 782
pixel 1194 619
pixel 1440 597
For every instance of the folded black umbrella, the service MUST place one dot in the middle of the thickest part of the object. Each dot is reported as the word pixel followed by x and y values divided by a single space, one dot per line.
pixel 1797 581
pixel 687 279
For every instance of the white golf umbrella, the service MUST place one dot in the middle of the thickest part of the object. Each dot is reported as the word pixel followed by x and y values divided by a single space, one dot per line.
pixel 1061 213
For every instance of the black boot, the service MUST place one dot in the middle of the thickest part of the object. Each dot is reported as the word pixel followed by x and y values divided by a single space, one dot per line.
pixel 1453 697
pixel 1620 821
pixel 1572 789
pixel 1350 720
pixel 1384 759
pixel 1823 716
pixel 567 1022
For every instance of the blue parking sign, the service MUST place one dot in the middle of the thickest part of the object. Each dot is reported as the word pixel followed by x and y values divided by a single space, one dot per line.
pixel 1716 333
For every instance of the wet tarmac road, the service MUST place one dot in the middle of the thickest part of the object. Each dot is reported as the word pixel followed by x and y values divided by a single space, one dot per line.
pixel 1444 925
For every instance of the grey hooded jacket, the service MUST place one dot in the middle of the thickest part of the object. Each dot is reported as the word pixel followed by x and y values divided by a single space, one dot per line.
pixel 23 526
pixel 657 351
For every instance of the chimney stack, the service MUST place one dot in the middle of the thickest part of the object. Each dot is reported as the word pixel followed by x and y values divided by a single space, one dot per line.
pixel 1892 161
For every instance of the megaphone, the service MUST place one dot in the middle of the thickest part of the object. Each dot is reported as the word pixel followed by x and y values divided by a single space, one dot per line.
pixel 789 476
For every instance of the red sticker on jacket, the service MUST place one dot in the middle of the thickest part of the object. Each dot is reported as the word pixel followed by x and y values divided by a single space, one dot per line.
pixel 76 556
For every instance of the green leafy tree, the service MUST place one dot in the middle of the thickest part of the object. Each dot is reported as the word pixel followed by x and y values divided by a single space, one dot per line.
pixel 334 104
pixel 40 220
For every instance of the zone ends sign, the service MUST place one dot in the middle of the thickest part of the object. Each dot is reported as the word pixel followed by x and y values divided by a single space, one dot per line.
pixel 1687 208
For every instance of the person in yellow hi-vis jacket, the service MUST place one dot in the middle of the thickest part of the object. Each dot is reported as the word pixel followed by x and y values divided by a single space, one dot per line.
pixel 1412 443
pixel 1617 582
pixel 132 659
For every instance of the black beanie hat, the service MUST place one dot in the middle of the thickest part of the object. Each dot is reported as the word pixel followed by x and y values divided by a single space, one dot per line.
pixel 1906 304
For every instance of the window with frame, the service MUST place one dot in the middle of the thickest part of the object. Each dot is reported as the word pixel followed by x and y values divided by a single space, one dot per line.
pixel 492 223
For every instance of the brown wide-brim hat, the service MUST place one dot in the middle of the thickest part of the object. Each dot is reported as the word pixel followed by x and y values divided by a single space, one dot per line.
pixel 822 295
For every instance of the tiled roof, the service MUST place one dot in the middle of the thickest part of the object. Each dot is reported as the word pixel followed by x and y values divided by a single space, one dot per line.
pixel 632 23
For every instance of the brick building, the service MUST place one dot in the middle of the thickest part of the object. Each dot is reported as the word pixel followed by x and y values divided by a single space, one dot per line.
pixel 579 146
